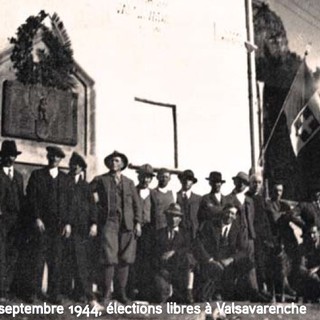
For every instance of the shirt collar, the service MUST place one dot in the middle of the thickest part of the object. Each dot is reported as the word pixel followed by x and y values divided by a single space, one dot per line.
pixel 77 177
pixel 6 170
pixel 187 193
pixel 54 172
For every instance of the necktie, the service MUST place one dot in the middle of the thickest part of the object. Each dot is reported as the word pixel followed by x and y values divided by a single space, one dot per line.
pixel 10 174
pixel 225 233
pixel 117 179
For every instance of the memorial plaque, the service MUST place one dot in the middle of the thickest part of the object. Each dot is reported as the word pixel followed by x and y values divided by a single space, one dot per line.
pixel 39 113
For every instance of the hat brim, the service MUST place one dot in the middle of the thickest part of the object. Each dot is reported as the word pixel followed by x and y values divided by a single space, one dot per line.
pixel 181 177
pixel 239 178
pixel 107 160
pixel 222 181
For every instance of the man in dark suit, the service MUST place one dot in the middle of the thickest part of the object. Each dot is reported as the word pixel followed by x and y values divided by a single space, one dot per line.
pixel 221 250
pixel 211 204
pixel 84 228
pixel 47 193
pixel 120 217
pixel 11 201
pixel 263 240
pixel 173 259
pixel 189 202
pixel 140 283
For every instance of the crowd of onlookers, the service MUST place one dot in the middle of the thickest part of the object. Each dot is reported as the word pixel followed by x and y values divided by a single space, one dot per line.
pixel 109 239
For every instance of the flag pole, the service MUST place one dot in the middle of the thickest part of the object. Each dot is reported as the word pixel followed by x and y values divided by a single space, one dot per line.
pixel 264 148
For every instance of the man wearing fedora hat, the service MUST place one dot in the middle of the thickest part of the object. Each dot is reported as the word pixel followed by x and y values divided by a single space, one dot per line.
pixel 48 198
pixel 139 283
pixel 11 201
pixel 120 218
pixel 237 195
pixel 212 203
pixel 173 261
pixel 189 202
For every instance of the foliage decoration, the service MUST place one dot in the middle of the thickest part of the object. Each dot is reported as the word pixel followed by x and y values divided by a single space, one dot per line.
pixel 53 65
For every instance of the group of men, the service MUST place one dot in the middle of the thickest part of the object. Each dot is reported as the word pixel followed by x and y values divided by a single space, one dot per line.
pixel 134 242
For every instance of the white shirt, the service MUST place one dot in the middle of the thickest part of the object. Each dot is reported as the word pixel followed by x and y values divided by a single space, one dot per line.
pixel 77 177
pixel 171 232
pixel 7 170
pixel 218 196
pixel 187 193
pixel 165 190
pixel 241 196
pixel 54 172
pixel 144 193
pixel 224 228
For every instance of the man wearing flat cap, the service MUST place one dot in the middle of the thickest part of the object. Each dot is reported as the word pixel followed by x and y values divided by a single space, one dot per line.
pixel 48 197
pixel 84 228
pixel 11 201
pixel 120 218
pixel 173 259
pixel 189 202
pixel 211 204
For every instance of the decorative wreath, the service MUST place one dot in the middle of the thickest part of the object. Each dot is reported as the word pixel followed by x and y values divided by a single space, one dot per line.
pixel 54 66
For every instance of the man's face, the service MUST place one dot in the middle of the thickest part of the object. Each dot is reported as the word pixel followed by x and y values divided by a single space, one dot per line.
pixel 173 220
pixel 75 168
pixel 116 164
pixel 255 184
pixel 8 161
pixel 313 236
pixel 229 215
pixel 239 184
pixel 144 180
pixel 53 160
pixel 163 179
pixel 215 186
pixel 278 191
pixel 186 184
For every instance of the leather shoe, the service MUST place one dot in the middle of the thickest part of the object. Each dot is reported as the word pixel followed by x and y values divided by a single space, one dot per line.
pixel 259 297
pixel 122 297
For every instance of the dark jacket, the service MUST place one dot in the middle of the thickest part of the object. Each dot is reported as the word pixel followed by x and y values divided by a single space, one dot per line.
pixel 11 198
pixel 132 211
pixel 190 212
pixel 211 208
pixel 53 210
pixel 83 208
pixel 208 242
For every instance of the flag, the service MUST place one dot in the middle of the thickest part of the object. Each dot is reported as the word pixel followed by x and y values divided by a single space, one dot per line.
pixel 302 108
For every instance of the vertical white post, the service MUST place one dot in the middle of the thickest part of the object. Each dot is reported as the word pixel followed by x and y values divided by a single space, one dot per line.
pixel 252 87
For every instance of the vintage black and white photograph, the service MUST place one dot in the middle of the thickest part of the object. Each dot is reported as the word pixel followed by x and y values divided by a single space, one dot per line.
pixel 160 159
